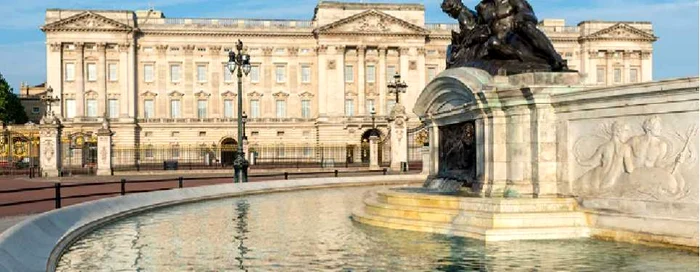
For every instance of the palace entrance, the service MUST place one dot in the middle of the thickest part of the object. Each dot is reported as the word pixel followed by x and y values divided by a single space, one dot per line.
pixel 364 149
pixel 229 149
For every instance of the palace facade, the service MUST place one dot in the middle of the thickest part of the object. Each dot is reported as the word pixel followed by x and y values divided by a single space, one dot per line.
pixel 163 81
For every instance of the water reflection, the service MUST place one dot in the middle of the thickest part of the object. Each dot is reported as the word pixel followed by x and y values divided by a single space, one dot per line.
pixel 241 219
pixel 311 231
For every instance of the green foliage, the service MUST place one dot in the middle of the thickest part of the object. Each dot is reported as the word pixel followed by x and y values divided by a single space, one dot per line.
pixel 11 110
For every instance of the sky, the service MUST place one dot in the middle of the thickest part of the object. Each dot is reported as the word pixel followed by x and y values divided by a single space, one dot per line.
pixel 675 22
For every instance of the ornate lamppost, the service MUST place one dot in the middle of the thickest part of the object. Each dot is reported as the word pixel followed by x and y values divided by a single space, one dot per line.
pixel 397 87
pixel 239 63
pixel 48 99
pixel 373 113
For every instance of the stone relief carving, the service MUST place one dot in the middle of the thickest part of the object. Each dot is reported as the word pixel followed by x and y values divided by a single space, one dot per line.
pixel 331 65
pixel 645 166
pixel 372 24
pixel 48 151
pixel 103 156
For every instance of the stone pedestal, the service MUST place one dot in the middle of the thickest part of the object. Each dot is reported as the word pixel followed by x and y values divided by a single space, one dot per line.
pixel 399 138
pixel 515 126
pixel 374 152
pixel 104 151
pixel 50 143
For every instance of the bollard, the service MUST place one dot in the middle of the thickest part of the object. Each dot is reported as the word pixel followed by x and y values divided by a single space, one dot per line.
pixel 58 195
pixel 336 173
pixel 123 186
pixel 286 176
pixel 179 182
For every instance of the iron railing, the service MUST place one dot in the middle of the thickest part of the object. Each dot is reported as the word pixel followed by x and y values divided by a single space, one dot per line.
pixel 59 189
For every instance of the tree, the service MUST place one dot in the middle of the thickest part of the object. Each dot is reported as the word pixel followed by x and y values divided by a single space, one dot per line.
pixel 11 109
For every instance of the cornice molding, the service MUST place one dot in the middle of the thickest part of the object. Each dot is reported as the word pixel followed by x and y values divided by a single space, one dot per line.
pixel 87 22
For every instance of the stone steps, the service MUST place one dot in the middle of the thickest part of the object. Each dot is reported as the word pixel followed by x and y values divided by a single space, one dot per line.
pixel 481 218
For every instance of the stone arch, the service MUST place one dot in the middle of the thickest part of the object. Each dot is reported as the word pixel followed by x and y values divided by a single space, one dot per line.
pixel 452 89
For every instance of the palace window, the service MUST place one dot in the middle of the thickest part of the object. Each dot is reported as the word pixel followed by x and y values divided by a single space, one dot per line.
pixel 281 106
pixel 349 74
pixel 600 75
pixel 175 109
pixel 113 108
pixel 175 151
pixel 70 108
pixel 148 73
pixel 280 73
pixel 370 105
pixel 228 108
pixel 228 77
pixel 254 108
pixel 70 71
pixel 390 72
pixel 201 109
pixel 306 108
pixel 175 73
pixel 634 75
pixel 201 73
pixel 148 109
pixel 149 151
pixel 371 74
pixel 91 107
pixel 308 151
pixel 349 107
pixel 92 72
pixel 432 72
pixel 255 73
pixel 305 74
pixel 36 110
pixel 112 67
pixel 617 75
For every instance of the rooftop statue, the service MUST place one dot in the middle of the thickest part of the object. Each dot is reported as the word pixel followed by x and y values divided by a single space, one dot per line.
pixel 501 37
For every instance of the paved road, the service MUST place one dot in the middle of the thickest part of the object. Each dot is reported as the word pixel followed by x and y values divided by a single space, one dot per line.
pixel 110 190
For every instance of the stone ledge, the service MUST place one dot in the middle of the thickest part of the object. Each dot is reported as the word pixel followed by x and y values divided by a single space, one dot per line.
pixel 37 243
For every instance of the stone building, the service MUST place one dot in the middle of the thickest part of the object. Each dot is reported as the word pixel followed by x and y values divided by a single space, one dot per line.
pixel 30 97
pixel 162 81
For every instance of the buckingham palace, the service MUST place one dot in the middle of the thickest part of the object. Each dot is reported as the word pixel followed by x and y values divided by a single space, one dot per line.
pixel 160 81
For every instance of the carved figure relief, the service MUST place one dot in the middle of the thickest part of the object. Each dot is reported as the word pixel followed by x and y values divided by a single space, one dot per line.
pixel 48 151
pixel 643 166
pixel 373 24
pixel 103 156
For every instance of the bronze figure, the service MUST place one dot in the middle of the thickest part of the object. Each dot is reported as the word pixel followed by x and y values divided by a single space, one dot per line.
pixel 501 37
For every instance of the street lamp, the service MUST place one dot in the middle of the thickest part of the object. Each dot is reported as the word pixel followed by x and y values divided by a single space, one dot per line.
pixel 245 120
pixel 397 87
pixel 241 63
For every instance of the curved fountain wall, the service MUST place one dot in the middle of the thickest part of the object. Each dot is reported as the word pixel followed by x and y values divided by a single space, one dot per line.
pixel 36 244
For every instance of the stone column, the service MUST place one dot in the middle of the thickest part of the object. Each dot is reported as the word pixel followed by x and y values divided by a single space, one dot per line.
pixel 130 98
pixel 361 80
pixel 80 80
pixel 54 71
pixel 609 73
pixel 382 81
pixel 626 71
pixel 646 73
pixel 322 80
pixel 104 150
pixel 188 79
pixel 102 75
pixel 403 61
pixel 434 147
pixel 425 156
pixel 50 138
pixel 399 137
pixel 373 152
pixel 161 69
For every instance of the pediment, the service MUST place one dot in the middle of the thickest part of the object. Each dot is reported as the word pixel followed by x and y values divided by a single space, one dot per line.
pixel 621 31
pixel 229 94
pixel 149 94
pixel 372 22
pixel 306 95
pixel 87 21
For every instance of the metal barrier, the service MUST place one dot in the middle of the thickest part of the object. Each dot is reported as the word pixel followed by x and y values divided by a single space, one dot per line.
pixel 58 188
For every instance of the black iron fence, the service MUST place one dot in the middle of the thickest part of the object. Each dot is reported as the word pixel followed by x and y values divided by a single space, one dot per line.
pixel 59 189
pixel 177 157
